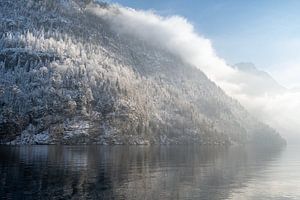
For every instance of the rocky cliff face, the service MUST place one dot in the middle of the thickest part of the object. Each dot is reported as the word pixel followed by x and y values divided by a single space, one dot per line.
pixel 67 77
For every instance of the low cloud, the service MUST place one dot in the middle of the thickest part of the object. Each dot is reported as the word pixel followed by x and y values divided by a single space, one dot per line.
pixel 288 73
pixel 279 108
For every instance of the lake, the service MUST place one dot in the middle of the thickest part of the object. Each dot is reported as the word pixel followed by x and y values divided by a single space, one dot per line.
pixel 149 172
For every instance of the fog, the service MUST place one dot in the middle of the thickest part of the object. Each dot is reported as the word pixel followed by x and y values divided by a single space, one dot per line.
pixel 257 91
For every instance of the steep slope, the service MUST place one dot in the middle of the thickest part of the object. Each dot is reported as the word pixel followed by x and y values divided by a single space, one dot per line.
pixel 68 77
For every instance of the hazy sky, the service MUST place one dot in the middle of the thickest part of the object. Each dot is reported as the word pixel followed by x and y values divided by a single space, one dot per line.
pixel 265 32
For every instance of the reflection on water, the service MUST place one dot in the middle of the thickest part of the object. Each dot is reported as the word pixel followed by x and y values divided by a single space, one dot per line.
pixel 141 172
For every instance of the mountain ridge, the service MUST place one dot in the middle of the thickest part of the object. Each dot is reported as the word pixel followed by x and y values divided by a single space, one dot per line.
pixel 263 82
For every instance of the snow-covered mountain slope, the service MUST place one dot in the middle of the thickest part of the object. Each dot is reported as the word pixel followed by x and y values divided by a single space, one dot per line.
pixel 67 77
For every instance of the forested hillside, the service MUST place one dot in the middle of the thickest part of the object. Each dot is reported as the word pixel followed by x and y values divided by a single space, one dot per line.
pixel 67 77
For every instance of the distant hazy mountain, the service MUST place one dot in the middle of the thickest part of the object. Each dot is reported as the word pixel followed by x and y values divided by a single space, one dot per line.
pixel 257 82
pixel 67 77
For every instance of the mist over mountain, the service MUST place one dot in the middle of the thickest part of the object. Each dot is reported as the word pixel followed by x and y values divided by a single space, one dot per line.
pixel 258 93
pixel 76 72
pixel 258 82
pixel 265 98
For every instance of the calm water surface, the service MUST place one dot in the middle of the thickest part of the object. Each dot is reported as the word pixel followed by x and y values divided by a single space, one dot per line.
pixel 149 172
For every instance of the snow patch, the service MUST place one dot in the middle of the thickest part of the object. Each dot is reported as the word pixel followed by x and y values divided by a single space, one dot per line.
pixel 28 137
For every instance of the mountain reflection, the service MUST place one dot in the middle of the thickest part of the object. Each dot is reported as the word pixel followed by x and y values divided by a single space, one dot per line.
pixel 128 172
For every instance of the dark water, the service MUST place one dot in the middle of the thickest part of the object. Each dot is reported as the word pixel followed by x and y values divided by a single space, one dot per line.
pixel 155 172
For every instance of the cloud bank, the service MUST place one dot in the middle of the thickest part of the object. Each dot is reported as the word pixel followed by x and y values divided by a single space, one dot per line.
pixel 278 108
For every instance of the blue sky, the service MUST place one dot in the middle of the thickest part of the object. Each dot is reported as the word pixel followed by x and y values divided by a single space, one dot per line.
pixel 265 32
